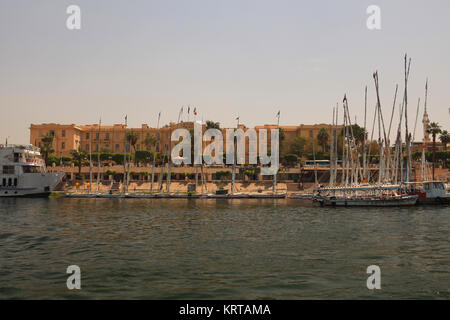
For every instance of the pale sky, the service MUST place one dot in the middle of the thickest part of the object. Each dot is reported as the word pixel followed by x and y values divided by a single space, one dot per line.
pixel 225 57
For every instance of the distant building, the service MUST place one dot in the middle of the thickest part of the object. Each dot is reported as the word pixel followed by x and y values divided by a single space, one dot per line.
pixel 113 138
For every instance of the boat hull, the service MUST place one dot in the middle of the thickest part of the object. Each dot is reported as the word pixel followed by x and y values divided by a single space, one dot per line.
pixel 33 185
pixel 368 202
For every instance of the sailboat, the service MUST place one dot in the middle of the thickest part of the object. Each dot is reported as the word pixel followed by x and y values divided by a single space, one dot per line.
pixel 427 190
pixel 356 188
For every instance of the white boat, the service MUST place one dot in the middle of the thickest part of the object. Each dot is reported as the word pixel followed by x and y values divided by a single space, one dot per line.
pixel 267 195
pixel 429 192
pixel 81 195
pixel 374 201
pixel 111 195
pixel 23 172
pixel 238 195
pixel 364 196
pixel 301 196
pixel 139 195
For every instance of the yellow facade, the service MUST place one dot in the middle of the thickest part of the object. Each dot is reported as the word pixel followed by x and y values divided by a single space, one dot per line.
pixel 112 138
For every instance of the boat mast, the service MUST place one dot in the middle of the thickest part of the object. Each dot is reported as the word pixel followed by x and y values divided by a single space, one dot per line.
pixel 344 149
pixel 233 172
pixel 336 144
pixel 365 138
pixel 154 154
pixel 407 134
pixel 332 152
pixel 90 161
pixel 354 156
pixel 424 169
pixel 98 155
pixel 391 162
pixel 124 156
pixel 315 167
pixel 276 169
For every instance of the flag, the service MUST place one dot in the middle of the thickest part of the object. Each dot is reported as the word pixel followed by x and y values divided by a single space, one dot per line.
pixel 189 109
pixel 278 114
pixel 426 85
pixel 195 111
pixel 126 118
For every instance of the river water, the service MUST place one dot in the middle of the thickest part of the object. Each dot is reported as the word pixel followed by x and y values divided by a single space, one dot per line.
pixel 220 249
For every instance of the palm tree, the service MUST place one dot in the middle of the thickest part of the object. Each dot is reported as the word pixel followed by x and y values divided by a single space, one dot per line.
pixel 281 139
pixel 132 138
pixel 47 146
pixel 150 141
pixel 212 125
pixel 323 137
pixel 434 129
pixel 79 155
pixel 445 138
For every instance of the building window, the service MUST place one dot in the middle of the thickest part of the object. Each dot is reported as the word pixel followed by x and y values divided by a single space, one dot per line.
pixel 63 133
pixel 63 145
pixel 8 169
pixel 97 136
pixel 87 136
pixel 127 148
pixel 107 136
pixel 96 148
pixel 117 148
pixel 311 133
pixel 52 133
pixel 40 133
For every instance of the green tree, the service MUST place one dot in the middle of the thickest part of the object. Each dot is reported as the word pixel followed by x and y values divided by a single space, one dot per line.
pixel 323 138
pixel 143 156
pixel 297 146
pixel 282 140
pixel 132 138
pixel 445 138
pixel 150 141
pixel 47 146
pixel 79 156
pixel 358 133
pixel 250 174
pixel 212 125
pixel 434 129
pixel 290 159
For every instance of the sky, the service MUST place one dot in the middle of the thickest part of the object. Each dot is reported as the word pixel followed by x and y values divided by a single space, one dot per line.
pixel 227 58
